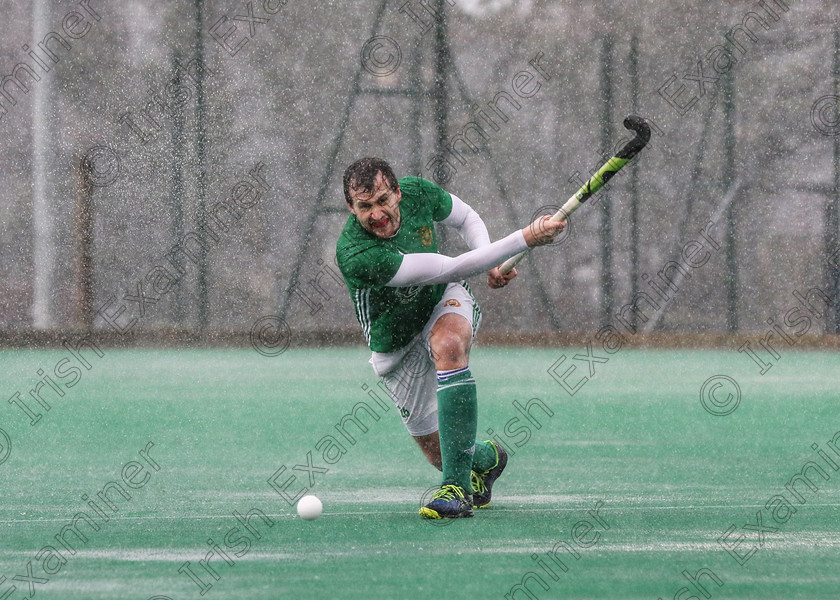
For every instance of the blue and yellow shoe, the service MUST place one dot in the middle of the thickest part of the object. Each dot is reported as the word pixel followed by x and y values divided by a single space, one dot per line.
pixel 449 502
pixel 482 483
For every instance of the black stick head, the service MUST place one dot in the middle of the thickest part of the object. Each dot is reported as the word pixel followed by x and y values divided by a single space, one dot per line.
pixel 640 127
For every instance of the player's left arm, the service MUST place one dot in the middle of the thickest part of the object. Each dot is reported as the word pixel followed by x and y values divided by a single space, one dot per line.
pixel 472 229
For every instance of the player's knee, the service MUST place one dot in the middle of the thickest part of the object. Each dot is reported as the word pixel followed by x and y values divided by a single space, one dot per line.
pixel 449 347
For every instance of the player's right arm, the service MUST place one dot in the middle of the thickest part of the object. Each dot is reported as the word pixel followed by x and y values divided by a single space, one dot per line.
pixel 429 269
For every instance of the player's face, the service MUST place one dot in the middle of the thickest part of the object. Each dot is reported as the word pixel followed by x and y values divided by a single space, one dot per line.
pixel 378 211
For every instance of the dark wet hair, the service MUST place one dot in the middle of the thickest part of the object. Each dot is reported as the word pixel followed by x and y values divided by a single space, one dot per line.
pixel 362 173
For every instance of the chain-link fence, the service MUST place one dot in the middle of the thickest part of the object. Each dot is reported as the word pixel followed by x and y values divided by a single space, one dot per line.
pixel 176 166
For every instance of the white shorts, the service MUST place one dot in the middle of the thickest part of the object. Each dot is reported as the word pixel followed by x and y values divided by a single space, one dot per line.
pixel 409 373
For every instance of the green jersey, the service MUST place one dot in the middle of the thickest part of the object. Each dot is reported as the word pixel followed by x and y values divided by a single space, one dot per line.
pixel 391 316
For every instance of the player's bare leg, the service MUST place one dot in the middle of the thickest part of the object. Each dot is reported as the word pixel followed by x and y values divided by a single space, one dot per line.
pixel 430 445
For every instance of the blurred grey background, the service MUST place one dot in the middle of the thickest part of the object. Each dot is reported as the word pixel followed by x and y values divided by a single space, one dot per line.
pixel 152 113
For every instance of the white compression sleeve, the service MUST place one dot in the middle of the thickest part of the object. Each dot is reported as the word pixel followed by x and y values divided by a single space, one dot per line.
pixel 468 223
pixel 428 269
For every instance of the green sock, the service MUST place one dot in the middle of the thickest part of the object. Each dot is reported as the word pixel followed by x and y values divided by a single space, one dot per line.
pixel 484 458
pixel 457 421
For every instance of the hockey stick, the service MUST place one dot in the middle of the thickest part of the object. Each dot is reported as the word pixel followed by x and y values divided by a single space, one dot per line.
pixel 597 181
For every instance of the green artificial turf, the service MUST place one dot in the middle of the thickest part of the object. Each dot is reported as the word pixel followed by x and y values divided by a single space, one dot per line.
pixel 630 480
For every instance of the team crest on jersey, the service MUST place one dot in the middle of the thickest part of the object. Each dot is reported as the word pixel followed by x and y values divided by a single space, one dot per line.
pixel 426 236
pixel 406 294
pixel 452 302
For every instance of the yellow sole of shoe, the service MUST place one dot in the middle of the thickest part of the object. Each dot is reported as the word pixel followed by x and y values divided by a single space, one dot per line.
pixel 433 514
